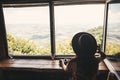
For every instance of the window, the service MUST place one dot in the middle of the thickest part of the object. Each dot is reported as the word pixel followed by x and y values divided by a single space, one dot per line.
pixel 113 30
pixel 28 30
pixel 72 19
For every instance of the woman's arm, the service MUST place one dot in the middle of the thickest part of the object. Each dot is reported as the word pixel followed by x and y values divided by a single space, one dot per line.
pixel 102 54
pixel 61 63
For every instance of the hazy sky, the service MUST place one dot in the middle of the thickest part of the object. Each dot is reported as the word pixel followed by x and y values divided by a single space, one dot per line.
pixel 26 15
pixel 78 14
pixel 114 13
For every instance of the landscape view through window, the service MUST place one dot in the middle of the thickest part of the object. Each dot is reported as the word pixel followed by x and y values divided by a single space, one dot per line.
pixel 28 28
pixel 113 30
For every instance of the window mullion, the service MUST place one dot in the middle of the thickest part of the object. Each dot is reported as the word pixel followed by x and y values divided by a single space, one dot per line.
pixel 105 26
pixel 52 28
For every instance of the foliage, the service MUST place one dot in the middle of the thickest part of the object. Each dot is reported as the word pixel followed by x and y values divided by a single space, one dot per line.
pixel 97 32
pixel 112 48
pixel 64 47
pixel 25 47
pixel 20 46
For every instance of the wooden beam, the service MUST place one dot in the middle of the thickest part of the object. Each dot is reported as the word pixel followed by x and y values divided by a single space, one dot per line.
pixel 3 40
pixel 56 2
pixel 22 1
pixel 52 28
pixel 36 65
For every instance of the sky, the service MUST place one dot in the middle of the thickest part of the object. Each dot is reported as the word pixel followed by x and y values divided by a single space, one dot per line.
pixel 114 13
pixel 76 14
pixel 63 14
pixel 26 15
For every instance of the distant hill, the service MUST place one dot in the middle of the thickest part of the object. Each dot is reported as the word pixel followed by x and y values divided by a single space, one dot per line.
pixel 97 32
pixel 23 46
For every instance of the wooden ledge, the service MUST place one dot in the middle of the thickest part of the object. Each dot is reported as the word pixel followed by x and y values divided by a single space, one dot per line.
pixel 114 67
pixel 31 64
pixel 35 65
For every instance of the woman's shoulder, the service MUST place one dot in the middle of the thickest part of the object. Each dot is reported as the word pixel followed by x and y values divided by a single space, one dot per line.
pixel 88 59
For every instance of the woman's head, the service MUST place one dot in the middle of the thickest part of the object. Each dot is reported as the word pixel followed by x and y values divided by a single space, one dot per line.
pixel 84 43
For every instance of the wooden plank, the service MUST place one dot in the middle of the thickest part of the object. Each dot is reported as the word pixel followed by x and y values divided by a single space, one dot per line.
pixel 114 67
pixel 102 66
pixel 39 1
pixel 3 40
pixel 30 64
pixel 36 64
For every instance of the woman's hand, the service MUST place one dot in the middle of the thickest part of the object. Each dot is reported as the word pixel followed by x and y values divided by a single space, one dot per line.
pixel 61 62
pixel 102 54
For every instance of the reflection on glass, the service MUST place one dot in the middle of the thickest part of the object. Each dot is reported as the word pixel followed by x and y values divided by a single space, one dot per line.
pixel 113 33
pixel 70 20
pixel 28 30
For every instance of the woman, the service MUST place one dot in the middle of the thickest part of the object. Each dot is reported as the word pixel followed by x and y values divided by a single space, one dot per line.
pixel 85 65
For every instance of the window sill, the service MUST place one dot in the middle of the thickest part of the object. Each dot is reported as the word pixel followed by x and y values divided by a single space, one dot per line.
pixel 113 66
pixel 31 64
pixel 36 65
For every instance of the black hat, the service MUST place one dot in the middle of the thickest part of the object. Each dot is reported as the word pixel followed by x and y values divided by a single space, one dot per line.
pixel 84 43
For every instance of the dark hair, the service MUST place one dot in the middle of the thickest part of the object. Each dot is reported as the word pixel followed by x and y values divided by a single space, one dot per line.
pixel 84 43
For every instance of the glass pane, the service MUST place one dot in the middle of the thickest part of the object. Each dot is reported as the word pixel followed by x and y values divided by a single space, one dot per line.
pixel 28 31
pixel 72 19
pixel 113 33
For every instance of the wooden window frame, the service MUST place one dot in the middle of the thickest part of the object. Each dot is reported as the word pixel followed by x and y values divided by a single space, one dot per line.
pixel 4 46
